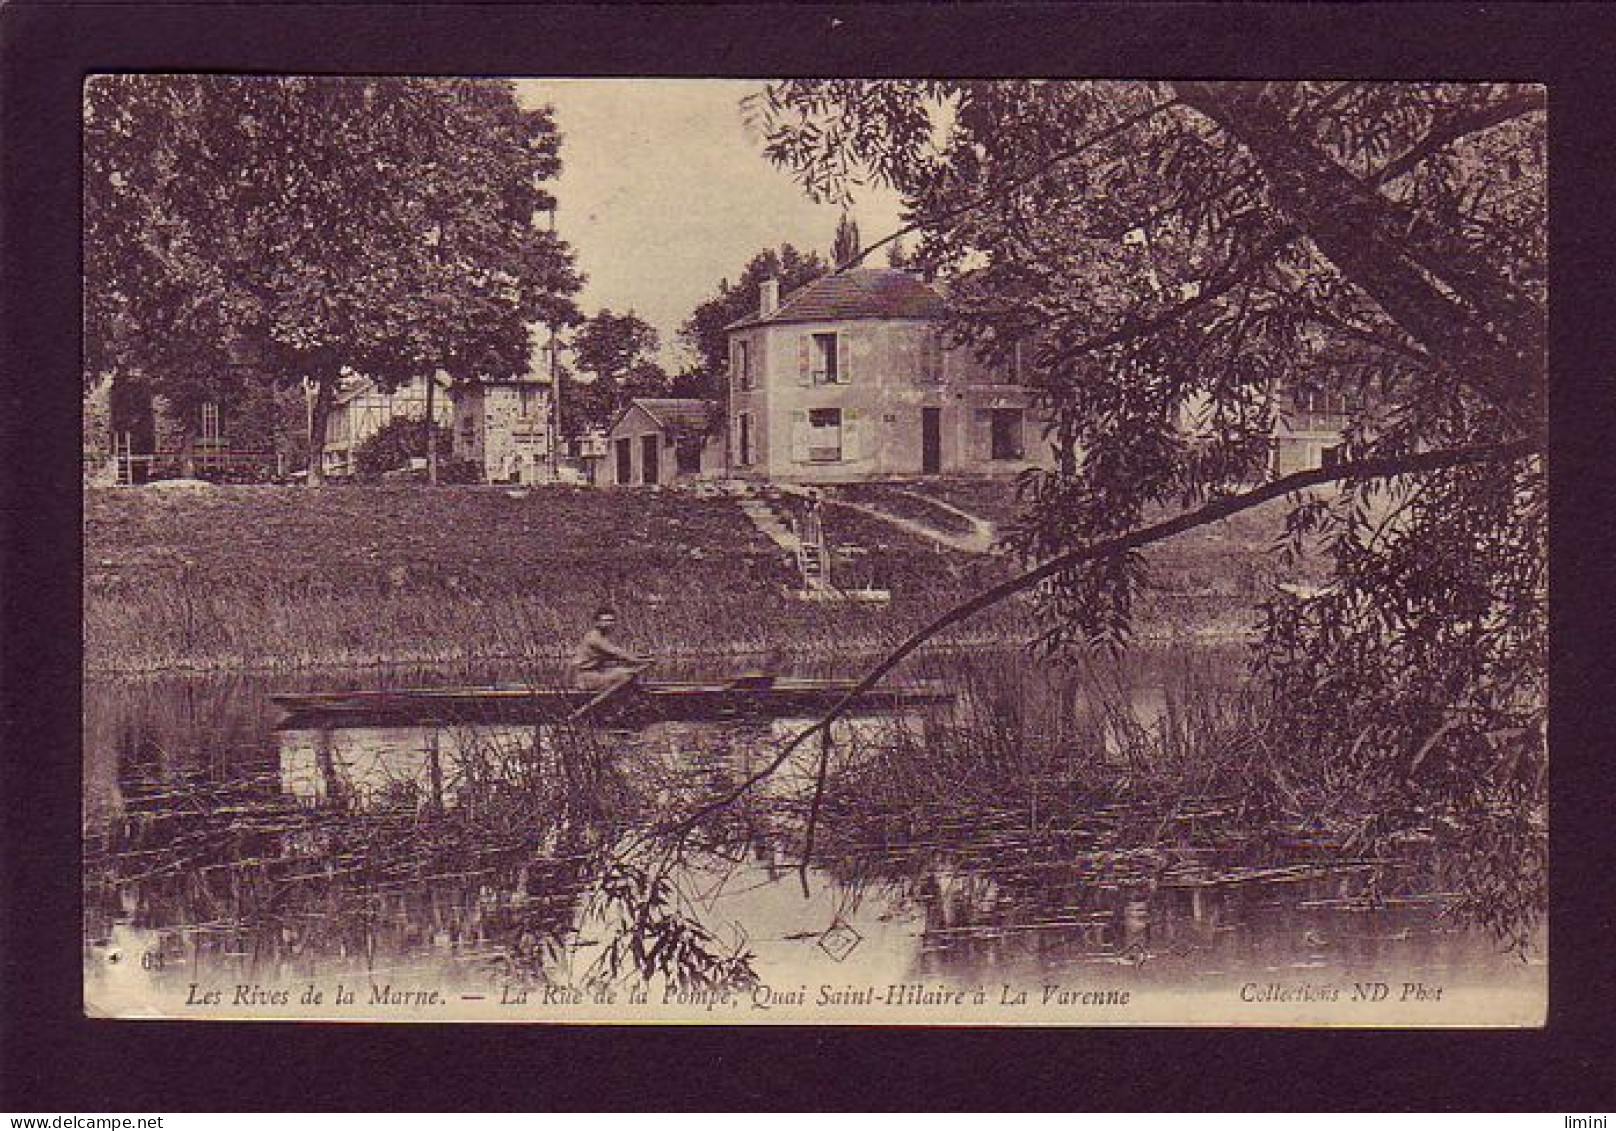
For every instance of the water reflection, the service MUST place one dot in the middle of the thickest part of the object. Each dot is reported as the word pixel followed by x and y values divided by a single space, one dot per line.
pixel 483 858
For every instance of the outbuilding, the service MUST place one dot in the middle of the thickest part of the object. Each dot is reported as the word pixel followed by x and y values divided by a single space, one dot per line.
pixel 659 440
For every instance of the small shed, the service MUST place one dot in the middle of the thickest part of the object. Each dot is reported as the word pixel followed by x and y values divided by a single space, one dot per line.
pixel 661 440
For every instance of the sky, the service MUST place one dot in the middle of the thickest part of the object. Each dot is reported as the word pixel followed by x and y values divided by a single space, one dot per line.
pixel 663 193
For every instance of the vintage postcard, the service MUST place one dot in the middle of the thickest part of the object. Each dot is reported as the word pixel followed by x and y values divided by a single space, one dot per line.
pixel 816 551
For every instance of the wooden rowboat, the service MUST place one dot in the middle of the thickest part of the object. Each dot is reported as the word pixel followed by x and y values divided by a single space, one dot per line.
pixel 645 702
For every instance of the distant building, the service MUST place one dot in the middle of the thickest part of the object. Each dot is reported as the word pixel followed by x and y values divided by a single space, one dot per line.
pixel 1308 429
pixel 361 408
pixel 131 435
pixel 503 426
pixel 657 440
pixel 587 454
pixel 849 379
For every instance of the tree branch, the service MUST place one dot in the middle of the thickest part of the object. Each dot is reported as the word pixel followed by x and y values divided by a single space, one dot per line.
pixel 1461 124
pixel 1218 509
pixel 1105 135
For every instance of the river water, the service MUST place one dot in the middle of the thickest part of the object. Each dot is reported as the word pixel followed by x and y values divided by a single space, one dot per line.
pixel 505 872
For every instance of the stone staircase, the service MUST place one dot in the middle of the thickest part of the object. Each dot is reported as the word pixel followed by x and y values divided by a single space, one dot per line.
pixel 766 513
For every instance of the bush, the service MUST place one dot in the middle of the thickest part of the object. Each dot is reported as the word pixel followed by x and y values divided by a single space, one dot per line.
pixel 396 443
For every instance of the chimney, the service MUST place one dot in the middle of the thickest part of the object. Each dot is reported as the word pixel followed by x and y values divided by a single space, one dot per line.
pixel 768 297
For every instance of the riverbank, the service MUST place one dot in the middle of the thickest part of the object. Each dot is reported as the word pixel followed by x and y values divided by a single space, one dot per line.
pixel 203 578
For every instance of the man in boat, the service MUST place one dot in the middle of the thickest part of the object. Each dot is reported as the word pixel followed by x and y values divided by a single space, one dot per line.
pixel 600 664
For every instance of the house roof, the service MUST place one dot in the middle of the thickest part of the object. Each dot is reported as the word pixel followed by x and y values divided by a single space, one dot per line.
pixel 864 292
pixel 358 386
pixel 685 416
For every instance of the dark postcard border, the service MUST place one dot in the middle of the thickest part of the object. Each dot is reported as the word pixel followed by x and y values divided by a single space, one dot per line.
pixel 51 1059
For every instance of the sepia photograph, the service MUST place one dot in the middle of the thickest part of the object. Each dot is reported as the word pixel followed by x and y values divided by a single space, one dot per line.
pixel 833 551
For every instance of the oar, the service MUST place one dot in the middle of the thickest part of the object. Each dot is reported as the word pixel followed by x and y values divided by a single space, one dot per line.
pixel 607 695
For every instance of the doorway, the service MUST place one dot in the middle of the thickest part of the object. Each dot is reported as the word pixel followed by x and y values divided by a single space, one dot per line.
pixel 931 441
pixel 650 449
pixel 625 461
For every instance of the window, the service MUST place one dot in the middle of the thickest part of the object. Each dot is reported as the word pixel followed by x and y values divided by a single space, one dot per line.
pixel 1331 455
pixel 531 399
pixel 687 455
pixel 931 357
pixel 825 369
pixel 743 426
pixel 825 434
pixel 741 365
pixel 1319 410
pixel 1007 434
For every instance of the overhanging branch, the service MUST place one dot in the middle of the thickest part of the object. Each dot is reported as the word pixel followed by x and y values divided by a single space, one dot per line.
pixel 1214 511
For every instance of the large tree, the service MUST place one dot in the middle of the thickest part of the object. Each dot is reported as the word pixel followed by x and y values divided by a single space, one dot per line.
pixel 703 332
pixel 618 352
pixel 1173 259
pixel 318 228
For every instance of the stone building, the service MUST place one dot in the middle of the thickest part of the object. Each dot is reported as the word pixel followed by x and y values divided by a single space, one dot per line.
pixel 848 378
pixel 503 427
pixel 1308 428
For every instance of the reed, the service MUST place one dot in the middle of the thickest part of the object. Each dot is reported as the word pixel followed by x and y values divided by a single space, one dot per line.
pixel 1046 745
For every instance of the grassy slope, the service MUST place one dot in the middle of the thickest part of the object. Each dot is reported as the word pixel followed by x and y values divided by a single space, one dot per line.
pixel 284 577
pixel 1227 559
pixel 420 539
pixel 907 504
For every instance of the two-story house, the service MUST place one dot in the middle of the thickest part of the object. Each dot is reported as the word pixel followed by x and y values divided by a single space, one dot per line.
pixel 849 378
pixel 504 427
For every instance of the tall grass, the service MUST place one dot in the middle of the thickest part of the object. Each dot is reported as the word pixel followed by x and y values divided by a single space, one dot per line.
pixel 1044 744
pixel 179 625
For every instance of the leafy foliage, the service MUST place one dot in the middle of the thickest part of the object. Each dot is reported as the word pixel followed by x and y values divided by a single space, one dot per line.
pixel 243 229
pixel 703 332
pixel 1178 261
pixel 618 351
pixel 653 935
pixel 845 247
pixel 395 443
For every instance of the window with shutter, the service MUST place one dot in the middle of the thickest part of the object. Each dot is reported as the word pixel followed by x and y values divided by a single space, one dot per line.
pixel 824 357
pixel 931 358
pixel 825 435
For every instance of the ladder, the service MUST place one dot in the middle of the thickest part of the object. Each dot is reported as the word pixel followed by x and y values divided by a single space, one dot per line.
pixel 814 561
pixel 123 459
